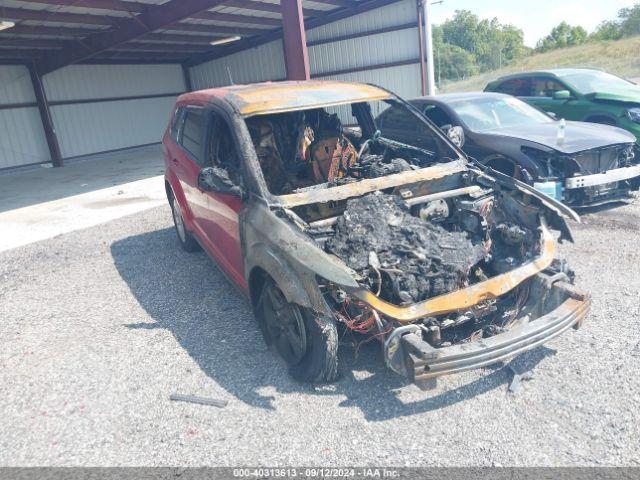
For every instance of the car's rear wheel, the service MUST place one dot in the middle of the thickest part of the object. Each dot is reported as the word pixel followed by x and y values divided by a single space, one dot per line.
pixel 185 238
pixel 307 342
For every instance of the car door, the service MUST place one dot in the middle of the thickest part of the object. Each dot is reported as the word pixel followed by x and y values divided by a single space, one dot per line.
pixel 541 96
pixel 220 220
pixel 188 160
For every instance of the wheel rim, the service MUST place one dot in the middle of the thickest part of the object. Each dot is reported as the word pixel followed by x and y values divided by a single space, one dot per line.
pixel 285 325
pixel 177 218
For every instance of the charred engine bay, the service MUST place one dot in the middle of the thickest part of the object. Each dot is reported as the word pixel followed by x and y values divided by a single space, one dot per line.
pixel 406 255
pixel 401 257
pixel 409 254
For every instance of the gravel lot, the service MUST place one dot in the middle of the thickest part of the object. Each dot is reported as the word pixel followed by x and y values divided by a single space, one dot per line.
pixel 100 326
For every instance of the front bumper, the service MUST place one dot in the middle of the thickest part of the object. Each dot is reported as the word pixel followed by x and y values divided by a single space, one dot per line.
pixel 560 307
pixel 612 176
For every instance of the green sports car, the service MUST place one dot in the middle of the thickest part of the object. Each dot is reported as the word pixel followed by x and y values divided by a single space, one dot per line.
pixel 577 94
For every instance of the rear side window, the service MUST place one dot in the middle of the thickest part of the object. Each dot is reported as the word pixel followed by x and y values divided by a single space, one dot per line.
pixel 518 87
pixel 193 133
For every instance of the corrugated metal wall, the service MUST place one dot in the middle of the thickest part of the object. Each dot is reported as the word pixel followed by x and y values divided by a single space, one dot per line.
pixel 391 15
pixel 91 127
pixel 358 55
pixel 259 64
pixel 85 127
pixel 327 59
pixel 22 139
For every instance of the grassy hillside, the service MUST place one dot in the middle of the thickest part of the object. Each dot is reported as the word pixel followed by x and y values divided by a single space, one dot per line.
pixel 621 57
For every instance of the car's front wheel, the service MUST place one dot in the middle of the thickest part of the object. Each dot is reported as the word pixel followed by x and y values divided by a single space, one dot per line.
pixel 306 341
pixel 185 238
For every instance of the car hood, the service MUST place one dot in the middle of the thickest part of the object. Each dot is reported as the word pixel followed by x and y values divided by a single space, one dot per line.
pixel 579 136
pixel 627 95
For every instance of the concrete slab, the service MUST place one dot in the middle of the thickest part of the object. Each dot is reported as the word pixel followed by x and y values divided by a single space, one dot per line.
pixel 42 203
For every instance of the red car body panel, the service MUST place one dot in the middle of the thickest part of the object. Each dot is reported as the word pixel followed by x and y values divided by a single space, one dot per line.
pixel 210 217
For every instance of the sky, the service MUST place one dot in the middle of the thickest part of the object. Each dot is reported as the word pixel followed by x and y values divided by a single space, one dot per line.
pixel 536 18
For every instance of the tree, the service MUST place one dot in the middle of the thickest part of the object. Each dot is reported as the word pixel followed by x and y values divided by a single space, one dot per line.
pixel 489 41
pixel 607 30
pixel 562 36
pixel 630 21
pixel 453 62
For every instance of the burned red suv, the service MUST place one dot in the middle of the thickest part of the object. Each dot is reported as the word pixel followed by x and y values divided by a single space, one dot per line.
pixel 324 218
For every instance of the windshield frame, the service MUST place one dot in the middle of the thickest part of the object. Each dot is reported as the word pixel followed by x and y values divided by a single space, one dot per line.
pixel 458 157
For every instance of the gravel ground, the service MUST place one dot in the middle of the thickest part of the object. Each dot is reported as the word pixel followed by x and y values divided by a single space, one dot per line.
pixel 100 326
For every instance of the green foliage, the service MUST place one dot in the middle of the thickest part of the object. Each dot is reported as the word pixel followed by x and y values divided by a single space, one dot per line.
pixel 466 45
pixel 626 25
pixel 607 30
pixel 563 36
pixel 454 63
pixel 629 21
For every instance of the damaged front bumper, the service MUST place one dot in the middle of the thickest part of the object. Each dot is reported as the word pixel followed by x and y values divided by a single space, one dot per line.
pixel 612 176
pixel 590 190
pixel 559 307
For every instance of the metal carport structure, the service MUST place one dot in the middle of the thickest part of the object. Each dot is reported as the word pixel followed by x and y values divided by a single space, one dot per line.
pixel 85 76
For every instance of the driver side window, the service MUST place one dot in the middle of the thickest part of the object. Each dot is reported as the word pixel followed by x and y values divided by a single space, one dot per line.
pixel 545 87
pixel 221 151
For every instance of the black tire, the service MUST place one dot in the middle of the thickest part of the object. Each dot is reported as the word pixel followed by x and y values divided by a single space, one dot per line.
pixel 307 342
pixel 186 240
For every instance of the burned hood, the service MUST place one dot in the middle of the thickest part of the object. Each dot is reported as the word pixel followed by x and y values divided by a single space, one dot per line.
pixel 579 136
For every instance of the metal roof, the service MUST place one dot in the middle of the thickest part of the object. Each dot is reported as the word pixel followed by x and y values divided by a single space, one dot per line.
pixel 46 29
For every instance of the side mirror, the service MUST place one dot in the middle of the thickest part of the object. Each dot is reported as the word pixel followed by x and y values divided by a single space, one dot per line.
pixel 214 179
pixel 562 95
pixel 456 135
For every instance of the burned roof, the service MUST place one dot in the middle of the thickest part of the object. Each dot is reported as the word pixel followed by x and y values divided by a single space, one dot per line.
pixel 277 97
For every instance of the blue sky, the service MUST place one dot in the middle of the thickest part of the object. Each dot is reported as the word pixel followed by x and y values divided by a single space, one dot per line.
pixel 536 17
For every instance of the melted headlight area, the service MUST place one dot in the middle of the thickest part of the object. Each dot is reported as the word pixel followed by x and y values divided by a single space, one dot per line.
pixel 486 319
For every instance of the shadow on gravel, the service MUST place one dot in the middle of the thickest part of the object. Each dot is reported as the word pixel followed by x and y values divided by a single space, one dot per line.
pixel 606 207
pixel 186 295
